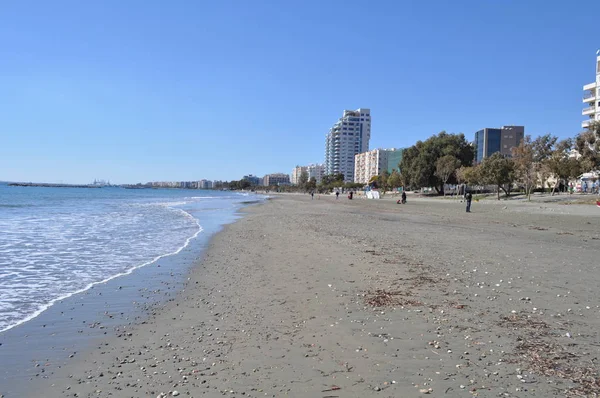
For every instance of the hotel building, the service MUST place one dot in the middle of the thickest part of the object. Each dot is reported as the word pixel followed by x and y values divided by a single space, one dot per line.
pixel 591 98
pixel 372 163
pixel 276 179
pixel 349 136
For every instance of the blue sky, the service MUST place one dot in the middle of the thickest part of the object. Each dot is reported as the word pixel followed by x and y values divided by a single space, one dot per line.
pixel 154 90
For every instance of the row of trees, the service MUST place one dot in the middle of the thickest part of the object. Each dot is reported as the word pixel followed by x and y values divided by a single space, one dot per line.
pixel 433 162
pixel 448 159
pixel 327 184
pixel 305 184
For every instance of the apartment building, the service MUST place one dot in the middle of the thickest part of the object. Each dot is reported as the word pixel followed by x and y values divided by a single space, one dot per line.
pixel 316 170
pixel 312 170
pixel 491 140
pixel 276 179
pixel 591 97
pixel 296 173
pixel 372 163
pixel 349 136
pixel 205 184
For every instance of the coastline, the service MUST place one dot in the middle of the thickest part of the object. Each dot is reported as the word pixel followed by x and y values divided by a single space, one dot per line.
pixel 282 304
pixel 37 347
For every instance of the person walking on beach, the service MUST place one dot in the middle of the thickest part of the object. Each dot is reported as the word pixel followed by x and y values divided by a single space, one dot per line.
pixel 403 197
pixel 312 195
pixel 337 195
pixel 469 198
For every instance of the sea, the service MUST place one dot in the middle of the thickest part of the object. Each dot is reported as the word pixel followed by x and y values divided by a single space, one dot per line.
pixel 59 242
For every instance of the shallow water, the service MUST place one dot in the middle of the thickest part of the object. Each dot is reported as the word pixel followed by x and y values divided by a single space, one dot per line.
pixel 56 242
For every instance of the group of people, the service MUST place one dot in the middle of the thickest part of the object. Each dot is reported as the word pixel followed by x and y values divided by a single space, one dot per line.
pixel 468 198
pixel 594 188
pixel 337 194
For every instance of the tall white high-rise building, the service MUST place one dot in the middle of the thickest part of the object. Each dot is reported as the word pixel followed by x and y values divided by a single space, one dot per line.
pixel 592 97
pixel 348 136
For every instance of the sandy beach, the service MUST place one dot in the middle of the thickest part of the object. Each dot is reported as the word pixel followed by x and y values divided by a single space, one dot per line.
pixel 338 298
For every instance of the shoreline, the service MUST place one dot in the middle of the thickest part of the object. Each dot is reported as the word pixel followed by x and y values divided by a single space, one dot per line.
pixel 127 272
pixel 43 344
pixel 281 303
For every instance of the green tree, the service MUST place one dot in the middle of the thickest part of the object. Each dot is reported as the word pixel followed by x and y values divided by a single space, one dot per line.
pixel 526 169
pixel 473 175
pixel 419 161
pixel 245 184
pixel 330 181
pixel 588 146
pixel 353 185
pixel 382 181
pixel 445 167
pixel 338 180
pixel 499 171
pixel 562 164
pixel 394 180
pixel 542 150
pixel 311 185
pixel 303 180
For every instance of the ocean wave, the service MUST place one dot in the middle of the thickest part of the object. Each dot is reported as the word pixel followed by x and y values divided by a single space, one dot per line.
pixel 28 262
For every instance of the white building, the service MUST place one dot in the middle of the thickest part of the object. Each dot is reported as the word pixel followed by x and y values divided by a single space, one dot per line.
pixel 591 98
pixel 370 164
pixel 205 184
pixel 312 170
pixel 276 179
pixel 316 170
pixel 296 173
pixel 348 136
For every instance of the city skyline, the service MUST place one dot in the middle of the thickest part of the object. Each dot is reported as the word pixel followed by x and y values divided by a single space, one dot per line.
pixel 133 103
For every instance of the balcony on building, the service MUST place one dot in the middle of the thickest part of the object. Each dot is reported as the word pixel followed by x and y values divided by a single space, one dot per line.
pixel 590 96
pixel 585 124
pixel 591 86
pixel 590 110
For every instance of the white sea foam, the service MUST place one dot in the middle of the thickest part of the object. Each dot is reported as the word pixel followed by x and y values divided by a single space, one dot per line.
pixel 73 249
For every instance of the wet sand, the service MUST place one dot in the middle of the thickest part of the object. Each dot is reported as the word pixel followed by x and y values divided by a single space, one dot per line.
pixel 338 298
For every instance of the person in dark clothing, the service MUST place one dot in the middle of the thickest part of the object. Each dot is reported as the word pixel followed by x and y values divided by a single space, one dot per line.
pixel 469 198
pixel 403 197
pixel 337 194
pixel 312 195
